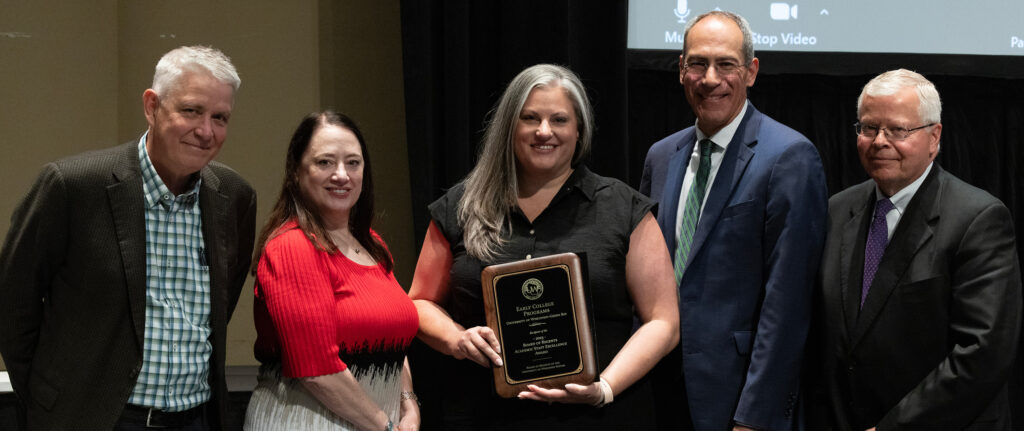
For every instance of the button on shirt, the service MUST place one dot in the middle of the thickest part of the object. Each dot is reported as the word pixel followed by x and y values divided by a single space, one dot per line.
pixel 720 141
pixel 176 353
pixel 590 213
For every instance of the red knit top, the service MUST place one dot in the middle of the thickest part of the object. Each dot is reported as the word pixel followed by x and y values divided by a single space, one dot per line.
pixel 318 313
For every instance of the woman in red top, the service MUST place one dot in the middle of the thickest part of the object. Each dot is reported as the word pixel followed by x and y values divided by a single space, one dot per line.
pixel 332 322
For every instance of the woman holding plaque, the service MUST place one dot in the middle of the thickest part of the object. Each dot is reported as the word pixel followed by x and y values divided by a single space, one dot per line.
pixel 332 323
pixel 529 196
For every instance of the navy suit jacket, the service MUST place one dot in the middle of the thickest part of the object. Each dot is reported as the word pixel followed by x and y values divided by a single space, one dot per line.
pixel 746 295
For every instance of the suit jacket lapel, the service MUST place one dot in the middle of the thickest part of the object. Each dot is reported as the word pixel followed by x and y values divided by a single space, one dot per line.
pixel 913 231
pixel 730 171
pixel 851 255
pixel 213 206
pixel 127 207
pixel 673 184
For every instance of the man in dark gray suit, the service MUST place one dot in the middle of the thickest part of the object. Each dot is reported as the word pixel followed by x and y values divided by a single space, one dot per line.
pixel 920 289
pixel 122 267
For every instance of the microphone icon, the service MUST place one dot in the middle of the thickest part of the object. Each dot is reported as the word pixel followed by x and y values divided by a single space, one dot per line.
pixel 681 10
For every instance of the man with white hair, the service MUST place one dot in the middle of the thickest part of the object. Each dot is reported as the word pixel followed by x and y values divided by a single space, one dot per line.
pixel 122 267
pixel 919 302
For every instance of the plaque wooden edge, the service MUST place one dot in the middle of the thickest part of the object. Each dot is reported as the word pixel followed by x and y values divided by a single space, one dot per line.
pixel 584 333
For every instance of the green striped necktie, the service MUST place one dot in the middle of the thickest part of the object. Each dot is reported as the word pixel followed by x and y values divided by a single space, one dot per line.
pixel 691 213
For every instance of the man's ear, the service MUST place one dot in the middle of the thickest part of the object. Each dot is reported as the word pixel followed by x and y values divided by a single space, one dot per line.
pixel 752 69
pixel 150 103
pixel 934 137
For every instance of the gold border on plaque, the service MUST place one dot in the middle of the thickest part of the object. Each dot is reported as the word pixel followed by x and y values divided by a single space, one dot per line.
pixel 575 327
pixel 586 370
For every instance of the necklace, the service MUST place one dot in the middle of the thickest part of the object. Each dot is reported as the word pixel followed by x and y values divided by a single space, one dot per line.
pixel 342 240
pixel 354 248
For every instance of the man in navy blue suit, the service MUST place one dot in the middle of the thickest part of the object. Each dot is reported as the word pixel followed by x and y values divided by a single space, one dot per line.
pixel 742 204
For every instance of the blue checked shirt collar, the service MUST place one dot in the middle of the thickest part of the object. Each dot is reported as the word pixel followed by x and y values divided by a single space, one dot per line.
pixel 156 192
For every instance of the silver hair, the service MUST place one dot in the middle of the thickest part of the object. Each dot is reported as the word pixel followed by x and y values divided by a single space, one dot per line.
pixel 492 188
pixel 176 62
pixel 929 107
pixel 748 39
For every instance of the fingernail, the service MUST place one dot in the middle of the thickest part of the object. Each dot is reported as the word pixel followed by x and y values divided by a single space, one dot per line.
pixel 499 363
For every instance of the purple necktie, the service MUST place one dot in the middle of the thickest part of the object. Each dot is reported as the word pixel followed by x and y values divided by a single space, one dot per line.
pixel 878 238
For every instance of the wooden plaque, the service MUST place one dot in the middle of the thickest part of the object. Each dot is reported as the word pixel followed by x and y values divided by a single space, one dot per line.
pixel 538 310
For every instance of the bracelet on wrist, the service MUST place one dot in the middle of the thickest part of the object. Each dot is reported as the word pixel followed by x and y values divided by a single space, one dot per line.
pixel 390 426
pixel 410 395
pixel 606 393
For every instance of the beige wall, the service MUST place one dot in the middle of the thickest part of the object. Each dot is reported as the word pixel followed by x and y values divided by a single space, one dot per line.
pixel 360 43
pixel 58 82
pixel 72 76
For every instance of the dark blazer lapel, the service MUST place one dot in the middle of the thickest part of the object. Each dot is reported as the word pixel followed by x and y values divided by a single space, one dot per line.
pixel 127 207
pixel 673 183
pixel 853 237
pixel 730 171
pixel 213 206
pixel 913 231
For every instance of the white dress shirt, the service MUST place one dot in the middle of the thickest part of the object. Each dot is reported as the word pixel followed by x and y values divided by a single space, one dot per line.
pixel 720 141
pixel 900 200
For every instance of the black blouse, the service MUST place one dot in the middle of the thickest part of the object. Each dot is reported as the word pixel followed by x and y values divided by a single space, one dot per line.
pixel 590 214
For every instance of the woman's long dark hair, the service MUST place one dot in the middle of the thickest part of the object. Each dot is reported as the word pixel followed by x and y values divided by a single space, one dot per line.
pixel 293 205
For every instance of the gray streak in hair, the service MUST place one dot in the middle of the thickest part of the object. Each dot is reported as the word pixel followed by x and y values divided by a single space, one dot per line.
pixel 748 39
pixel 492 188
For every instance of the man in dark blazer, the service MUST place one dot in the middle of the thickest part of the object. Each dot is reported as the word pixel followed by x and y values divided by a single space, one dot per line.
pixel 122 267
pixel 746 277
pixel 920 290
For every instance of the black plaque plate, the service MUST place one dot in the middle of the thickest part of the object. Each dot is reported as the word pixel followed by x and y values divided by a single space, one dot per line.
pixel 537 308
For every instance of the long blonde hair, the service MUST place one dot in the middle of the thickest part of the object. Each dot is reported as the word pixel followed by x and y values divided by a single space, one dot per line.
pixel 491 188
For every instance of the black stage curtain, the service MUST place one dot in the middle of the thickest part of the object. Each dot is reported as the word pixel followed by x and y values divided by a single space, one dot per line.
pixel 459 55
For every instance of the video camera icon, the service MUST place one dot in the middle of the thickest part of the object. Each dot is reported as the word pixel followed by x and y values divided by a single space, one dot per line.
pixel 783 11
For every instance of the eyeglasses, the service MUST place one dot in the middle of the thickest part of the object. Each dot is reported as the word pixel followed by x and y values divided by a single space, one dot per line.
pixel 698 68
pixel 892 134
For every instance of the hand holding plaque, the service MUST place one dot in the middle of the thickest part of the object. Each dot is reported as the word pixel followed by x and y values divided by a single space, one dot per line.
pixel 537 308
